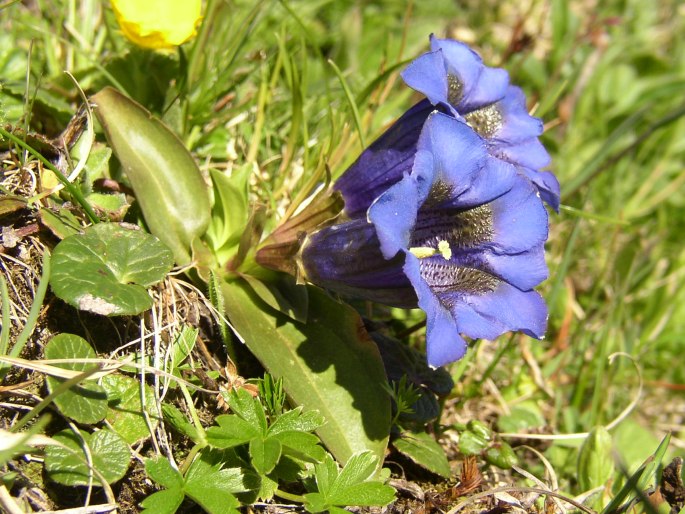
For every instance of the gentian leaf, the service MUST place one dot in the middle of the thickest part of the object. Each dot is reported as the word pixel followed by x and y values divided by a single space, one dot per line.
pixel 168 185
pixel 329 365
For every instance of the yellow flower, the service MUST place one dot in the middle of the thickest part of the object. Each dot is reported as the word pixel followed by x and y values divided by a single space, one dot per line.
pixel 158 24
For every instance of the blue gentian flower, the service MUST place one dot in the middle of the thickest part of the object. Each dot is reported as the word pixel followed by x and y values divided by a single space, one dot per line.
pixel 454 76
pixel 459 234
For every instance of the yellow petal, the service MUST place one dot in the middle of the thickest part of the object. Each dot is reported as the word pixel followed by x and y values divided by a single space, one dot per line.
pixel 158 24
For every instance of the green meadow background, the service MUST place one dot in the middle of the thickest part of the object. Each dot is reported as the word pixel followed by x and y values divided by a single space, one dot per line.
pixel 293 86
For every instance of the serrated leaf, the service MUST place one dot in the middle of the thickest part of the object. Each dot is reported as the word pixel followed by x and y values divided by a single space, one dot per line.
pixel 232 431
pixel 212 487
pixel 359 467
pixel 424 451
pixel 68 465
pixel 87 401
pixel 327 365
pixel 267 488
pixel 168 184
pixel 248 408
pixel 595 459
pixel 125 410
pixel 209 467
pixel 348 487
pixel 161 471
pixel 301 445
pixel 163 502
pixel 365 494
pixel 107 268
pixel 264 453
pixel 297 420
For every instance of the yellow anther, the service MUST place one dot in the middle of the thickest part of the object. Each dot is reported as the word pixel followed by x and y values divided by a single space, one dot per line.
pixel 445 250
pixel 423 251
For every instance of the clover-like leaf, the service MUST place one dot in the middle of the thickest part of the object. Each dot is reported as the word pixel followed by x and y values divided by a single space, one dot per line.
pixel 85 402
pixel 68 464
pixel 353 485
pixel 265 453
pixel 107 268
pixel 206 483
pixel 232 431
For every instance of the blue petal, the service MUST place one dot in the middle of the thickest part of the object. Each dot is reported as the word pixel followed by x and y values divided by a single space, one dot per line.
pixel 520 219
pixel 460 155
pixel 505 309
pixel 384 162
pixel 524 270
pixel 427 75
pixel 482 85
pixel 394 213
pixel 517 123
pixel 443 342
pixel 492 180
pixel 547 184
pixel 529 153
pixel 449 152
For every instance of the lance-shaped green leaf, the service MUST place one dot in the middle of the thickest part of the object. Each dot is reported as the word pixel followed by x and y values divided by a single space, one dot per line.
pixel 595 460
pixel 328 364
pixel 168 184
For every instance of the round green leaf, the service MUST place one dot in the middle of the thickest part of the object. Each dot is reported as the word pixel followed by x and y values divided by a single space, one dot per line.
pixel 68 465
pixel 125 412
pixel 107 268
pixel 85 402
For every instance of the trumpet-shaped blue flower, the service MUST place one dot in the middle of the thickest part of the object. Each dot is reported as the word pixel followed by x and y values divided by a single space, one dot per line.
pixel 459 234
pixel 454 76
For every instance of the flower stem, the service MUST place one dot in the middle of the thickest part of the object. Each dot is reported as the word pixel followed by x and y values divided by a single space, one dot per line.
pixel 287 496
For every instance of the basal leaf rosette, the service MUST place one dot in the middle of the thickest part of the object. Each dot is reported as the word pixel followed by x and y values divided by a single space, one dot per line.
pixel 461 236
pixel 454 76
